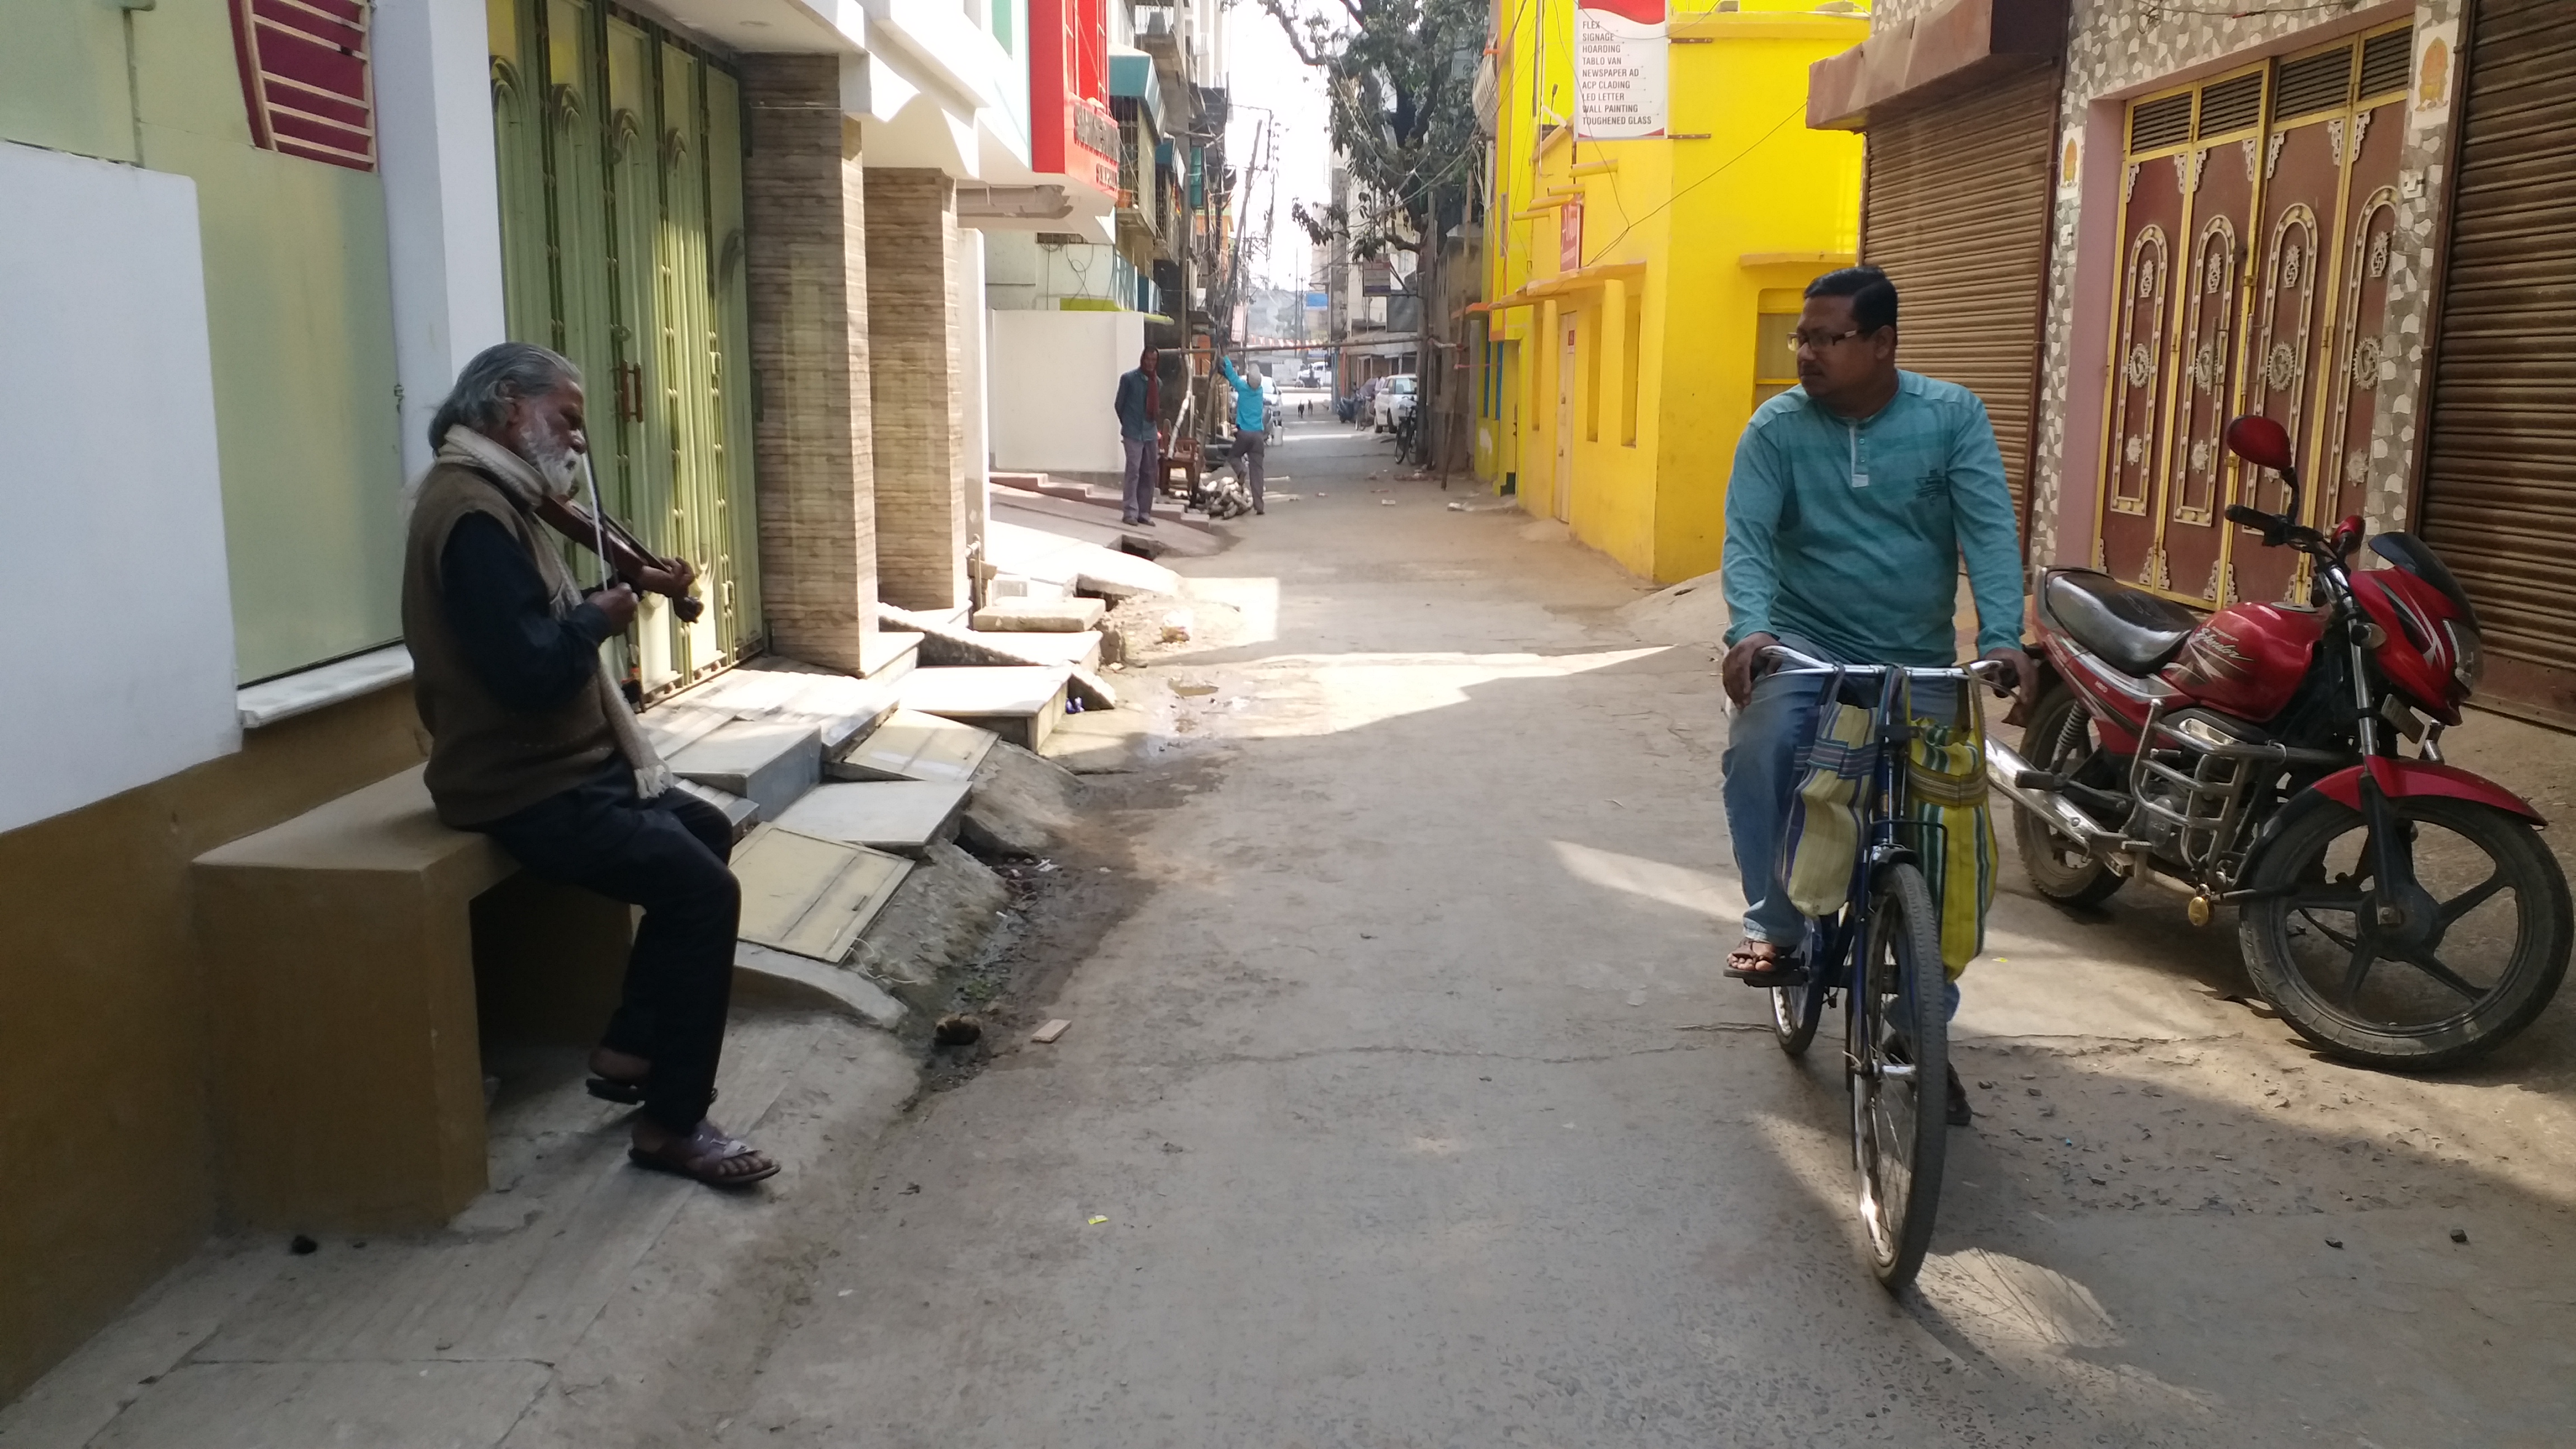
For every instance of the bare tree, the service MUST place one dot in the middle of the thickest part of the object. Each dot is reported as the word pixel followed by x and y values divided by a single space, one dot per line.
pixel 1400 75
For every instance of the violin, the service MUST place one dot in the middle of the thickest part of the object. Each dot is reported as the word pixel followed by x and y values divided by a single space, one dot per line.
pixel 628 560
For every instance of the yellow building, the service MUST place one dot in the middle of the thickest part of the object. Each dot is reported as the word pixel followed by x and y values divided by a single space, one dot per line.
pixel 1644 289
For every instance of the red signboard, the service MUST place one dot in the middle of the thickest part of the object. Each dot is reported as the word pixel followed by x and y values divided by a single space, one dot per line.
pixel 1071 132
pixel 1569 235
pixel 305 77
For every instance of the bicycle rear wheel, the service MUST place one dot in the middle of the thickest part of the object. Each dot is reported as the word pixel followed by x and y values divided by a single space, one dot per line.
pixel 1899 1060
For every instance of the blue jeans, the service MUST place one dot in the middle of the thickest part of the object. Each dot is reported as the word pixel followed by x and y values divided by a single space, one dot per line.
pixel 1760 768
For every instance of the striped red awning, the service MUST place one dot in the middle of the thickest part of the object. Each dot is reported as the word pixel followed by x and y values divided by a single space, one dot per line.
pixel 306 77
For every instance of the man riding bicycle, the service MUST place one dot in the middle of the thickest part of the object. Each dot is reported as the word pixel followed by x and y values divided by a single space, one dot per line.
pixel 1853 499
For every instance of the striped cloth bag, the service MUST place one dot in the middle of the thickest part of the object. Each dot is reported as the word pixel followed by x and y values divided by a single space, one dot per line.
pixel 1945 782
pixel 1823 835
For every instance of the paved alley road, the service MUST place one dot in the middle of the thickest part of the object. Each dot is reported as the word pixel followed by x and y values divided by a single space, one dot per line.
pixel 1404 1106
pixel 1408 1109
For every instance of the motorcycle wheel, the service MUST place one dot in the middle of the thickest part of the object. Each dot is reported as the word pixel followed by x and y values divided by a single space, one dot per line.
pixel 2059 737
pixel 2501 953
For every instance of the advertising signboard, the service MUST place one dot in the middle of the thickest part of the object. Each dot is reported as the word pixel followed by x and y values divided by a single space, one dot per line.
pixel 1620 69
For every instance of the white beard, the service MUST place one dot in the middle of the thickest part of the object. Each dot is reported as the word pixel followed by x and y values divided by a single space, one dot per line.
pixel 560 467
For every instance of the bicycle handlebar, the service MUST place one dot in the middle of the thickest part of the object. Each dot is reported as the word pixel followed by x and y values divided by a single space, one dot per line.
pixel 1993 672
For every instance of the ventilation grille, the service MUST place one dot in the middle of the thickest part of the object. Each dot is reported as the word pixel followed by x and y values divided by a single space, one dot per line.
pixel 2232 105
pixel 2165 122
pixel 2312 84
pixel 2386 60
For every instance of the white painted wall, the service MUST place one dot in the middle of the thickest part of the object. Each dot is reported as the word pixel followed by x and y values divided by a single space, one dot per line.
pixel 1054 379
pixel 966 269
pixel 433 76
pixel 110 497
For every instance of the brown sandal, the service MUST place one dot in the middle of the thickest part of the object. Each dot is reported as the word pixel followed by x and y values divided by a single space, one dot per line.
pixel 702 1156
pixel 1763 965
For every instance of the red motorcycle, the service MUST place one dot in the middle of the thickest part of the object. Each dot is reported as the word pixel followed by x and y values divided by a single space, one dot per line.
pixel 2394 910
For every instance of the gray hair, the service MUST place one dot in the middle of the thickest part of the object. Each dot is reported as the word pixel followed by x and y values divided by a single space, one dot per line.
pixel 497 376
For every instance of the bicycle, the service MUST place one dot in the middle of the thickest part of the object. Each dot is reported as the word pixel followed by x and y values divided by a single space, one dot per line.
pixel 1882 956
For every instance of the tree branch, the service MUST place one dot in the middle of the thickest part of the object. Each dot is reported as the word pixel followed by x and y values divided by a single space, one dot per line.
pixel 1309 48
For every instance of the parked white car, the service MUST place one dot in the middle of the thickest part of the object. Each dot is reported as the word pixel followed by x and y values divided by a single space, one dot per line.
pixel 1394 401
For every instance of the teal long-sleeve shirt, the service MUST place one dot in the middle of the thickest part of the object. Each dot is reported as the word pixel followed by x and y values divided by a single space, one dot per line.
pixel 1849 533
pixel 1251 411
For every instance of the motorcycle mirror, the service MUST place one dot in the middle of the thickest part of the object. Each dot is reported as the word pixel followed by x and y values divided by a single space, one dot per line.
pixel 2266 444
pixel 2260 441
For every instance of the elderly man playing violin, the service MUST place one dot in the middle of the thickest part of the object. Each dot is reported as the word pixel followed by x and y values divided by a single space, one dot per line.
pixel 533 744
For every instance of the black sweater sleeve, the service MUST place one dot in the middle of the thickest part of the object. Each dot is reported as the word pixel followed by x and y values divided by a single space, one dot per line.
pixel 496 603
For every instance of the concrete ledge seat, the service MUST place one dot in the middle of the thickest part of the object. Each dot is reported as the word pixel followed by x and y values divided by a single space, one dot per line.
pixel 341 951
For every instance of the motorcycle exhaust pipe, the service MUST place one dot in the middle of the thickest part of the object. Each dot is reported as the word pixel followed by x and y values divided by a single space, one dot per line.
pixel 2004 770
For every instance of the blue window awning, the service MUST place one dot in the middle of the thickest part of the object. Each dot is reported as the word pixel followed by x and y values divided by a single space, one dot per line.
pixel 1131 73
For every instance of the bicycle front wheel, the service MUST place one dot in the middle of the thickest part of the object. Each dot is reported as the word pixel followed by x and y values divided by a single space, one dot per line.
pixel 1899 1060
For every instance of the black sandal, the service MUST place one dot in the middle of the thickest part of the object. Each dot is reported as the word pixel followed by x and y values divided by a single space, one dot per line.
pixel 624 1091
pixel 617 1089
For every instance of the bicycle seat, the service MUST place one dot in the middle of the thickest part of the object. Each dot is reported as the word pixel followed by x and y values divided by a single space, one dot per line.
pixel 2132 630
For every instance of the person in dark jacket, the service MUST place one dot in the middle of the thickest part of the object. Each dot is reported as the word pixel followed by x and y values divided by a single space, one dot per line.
pixel 532 743
pixel 1140 412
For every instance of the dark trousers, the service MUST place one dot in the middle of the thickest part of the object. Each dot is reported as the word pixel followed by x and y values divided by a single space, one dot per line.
pixel 1144 471
pixel 667 855
pixel 1251 445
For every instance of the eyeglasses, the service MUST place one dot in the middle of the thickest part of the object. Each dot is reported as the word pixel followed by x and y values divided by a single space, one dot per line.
pixel 1819 341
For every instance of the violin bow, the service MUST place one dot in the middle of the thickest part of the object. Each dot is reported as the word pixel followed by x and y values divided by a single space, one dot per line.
pixel 598 517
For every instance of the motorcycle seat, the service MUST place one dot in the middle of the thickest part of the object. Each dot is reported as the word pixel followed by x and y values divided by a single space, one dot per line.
pixel 2132 630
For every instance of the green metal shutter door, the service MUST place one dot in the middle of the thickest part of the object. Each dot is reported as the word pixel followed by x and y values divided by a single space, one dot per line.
pixel 519 149
pixel 735 593
pixel 620 169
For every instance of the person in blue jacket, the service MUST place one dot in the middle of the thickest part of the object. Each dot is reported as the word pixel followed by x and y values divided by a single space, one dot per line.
pixel 1139 406
pixel 1251 430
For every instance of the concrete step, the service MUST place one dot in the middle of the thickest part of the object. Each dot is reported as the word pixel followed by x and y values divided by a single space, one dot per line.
pixel 944 646
pixel 770 763
pixel 1018 586
pixel 786 691
pixel 889 657
pixel 1101 511
pixel 899 816
pixel 772 690
pixel 1039 616
pixel 911 745
pixel 1041 485
pixel 739 813
pixel 809 896
pixel 1020 703
pixel 1082 651
pixel 1083 567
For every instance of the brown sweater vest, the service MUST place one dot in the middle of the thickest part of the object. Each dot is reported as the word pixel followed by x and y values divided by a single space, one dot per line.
pixel 486 760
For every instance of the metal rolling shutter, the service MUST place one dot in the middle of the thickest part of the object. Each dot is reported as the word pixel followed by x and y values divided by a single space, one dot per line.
pixel 1956 210
pixel 2499 499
